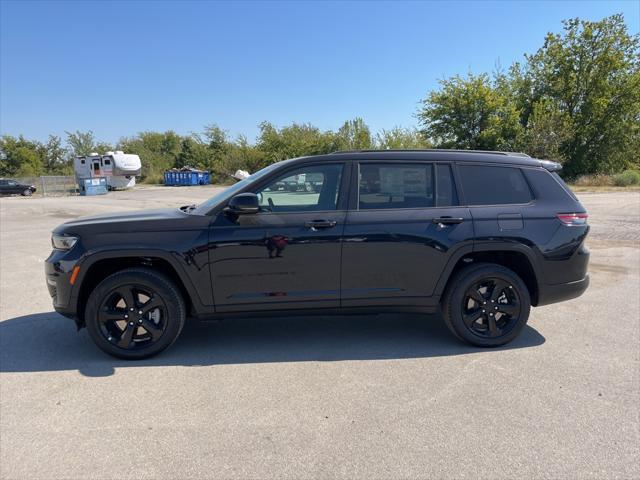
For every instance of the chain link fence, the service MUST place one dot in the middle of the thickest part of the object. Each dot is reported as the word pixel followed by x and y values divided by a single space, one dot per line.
pixel 52 185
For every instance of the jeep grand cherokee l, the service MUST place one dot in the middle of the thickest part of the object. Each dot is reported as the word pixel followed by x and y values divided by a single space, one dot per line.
pixel 483 236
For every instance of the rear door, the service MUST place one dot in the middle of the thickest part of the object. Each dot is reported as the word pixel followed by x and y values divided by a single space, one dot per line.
pixel 288 255
pixel 403 225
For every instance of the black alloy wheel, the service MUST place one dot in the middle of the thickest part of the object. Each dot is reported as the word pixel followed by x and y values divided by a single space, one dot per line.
pixel 491 307
pixel 486 305
pixel 135 313
pixel 132 317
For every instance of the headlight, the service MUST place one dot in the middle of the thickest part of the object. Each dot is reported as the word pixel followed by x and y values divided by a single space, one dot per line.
pixel 63 242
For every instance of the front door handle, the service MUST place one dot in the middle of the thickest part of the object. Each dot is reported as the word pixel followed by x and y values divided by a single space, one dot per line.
pixel 448 220
pixel 316 224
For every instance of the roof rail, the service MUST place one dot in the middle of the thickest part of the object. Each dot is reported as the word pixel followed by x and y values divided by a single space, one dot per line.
pixel 439 150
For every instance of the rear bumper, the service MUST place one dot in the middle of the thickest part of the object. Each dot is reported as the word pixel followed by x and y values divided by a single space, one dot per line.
pixel 562 291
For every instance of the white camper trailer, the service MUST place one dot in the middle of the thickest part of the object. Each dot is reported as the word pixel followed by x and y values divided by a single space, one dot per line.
pixel 119 168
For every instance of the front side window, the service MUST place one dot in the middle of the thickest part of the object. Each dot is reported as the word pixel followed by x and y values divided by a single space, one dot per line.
pixel 395 186
pixel 307 189
pixel 489 185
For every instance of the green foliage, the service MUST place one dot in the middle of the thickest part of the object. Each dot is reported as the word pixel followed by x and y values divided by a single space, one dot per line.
pixel 354 135
pixel 20 157
pixel 591 72
pixel 576 100
pixel 627 178
pixel 293 141
pixel 401 138
pixel 470 113
pixel 56 160
pixel 158 152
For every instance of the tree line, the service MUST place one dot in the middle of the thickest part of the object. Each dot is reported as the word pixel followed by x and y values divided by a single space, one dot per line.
pixel 575 100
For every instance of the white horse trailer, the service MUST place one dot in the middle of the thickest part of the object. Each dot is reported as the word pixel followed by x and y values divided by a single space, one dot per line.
pixel 119 168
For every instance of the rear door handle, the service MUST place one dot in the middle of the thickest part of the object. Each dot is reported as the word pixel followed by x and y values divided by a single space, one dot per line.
pixel 315 224
pixel 448 220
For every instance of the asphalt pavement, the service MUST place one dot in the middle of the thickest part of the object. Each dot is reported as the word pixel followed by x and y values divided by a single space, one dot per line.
pixel 387 396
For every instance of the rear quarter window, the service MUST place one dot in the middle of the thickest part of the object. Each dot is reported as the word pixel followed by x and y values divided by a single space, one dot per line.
pixel 493 185
pixel 565 187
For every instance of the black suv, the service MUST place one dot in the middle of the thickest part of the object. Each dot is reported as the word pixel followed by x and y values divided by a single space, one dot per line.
pixel 481 235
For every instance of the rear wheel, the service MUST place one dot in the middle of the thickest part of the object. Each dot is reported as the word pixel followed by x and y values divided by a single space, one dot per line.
pixel 486 305
pixel 26 192
pixel 135 313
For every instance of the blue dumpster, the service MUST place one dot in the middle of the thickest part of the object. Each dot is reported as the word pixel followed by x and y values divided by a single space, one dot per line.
pixel 93 186
pixel 186 177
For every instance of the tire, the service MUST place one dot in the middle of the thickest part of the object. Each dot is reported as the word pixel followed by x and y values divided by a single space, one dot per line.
pixel 26 192
pixel 500 315
pixel 135 313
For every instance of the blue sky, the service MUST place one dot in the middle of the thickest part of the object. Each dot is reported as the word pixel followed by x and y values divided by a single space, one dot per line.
pixel 118 68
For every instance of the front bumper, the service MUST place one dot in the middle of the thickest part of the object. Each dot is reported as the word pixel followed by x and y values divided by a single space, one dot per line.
pixel 58 270
pixel 563 291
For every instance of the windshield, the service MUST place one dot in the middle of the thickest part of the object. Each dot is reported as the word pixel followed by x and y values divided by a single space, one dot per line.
pixel 227 193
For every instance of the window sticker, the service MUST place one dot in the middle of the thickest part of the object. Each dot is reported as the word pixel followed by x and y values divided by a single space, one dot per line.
pixel 408 182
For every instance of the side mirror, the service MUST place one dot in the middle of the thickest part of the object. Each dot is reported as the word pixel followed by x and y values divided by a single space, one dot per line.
pixel 243 204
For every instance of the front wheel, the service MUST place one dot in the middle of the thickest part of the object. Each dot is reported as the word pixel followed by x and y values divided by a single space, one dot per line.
pixel 26 192
pixel 135 313
pixel 486 305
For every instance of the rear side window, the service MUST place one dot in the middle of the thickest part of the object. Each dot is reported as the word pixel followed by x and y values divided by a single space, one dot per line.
pixel 395 186
pixel 485 185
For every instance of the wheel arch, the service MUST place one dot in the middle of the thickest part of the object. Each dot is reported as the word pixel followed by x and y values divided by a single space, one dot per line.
pixel 519 258
pixel 100 265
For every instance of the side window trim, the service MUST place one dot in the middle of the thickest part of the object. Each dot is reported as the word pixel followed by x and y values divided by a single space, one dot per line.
pixel 454 184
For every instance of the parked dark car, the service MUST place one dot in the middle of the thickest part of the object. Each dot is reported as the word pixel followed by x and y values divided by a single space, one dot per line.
pixel 481 236
pixel 12 187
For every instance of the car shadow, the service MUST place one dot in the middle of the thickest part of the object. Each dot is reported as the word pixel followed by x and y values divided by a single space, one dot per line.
pixel 48 342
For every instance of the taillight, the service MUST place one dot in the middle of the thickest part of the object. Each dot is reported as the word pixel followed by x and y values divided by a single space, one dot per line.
pixel 573 218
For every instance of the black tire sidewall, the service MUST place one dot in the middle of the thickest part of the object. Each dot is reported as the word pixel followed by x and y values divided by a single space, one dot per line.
pixel 161 285
pixel 452 306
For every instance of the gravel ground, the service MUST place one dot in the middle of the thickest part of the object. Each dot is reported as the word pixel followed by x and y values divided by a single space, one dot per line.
pixel 384 396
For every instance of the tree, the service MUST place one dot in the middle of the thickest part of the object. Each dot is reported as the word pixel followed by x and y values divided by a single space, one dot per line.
pixel 218 143
pixel 591 75
pixel 193 153
pixel 548 130
pixel 56 157
pixel 470 113
pixel 20 157
pixel 158 152
pixel 293 141
pixel 400 138
pixel 354 135
pixel 81 143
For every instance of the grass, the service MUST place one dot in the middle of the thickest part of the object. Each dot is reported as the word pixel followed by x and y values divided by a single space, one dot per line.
pixel 627 180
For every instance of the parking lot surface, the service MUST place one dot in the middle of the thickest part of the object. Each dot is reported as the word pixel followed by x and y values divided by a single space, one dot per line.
pixel 385 396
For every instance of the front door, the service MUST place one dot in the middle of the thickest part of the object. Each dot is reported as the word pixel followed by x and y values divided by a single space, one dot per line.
pixel 288 254
pixel 401 232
